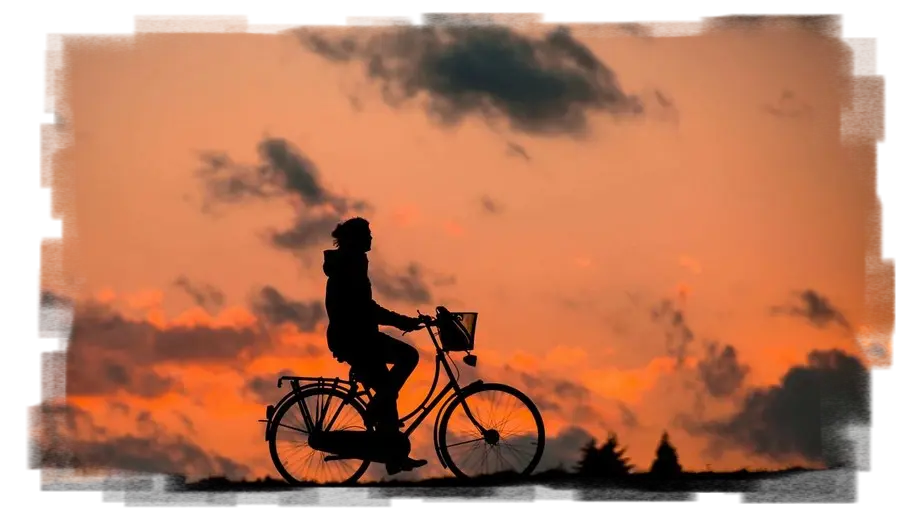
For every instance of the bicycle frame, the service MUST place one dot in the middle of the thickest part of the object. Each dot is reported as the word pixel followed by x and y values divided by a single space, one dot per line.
pixel 353 393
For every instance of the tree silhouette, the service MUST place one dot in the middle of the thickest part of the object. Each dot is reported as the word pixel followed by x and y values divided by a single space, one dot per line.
pixel 53 463
pixel 589 462
pixel 607 461
pixel 665 463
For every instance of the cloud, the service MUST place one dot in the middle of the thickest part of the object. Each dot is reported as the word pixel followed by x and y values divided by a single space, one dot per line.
pixel 677 334
pixel 564 450
pixel 720 371
pixel 490 206
pixel 558 395
pixel 110 353
pixel 204 295
pixel 541 86
pixel 264 388
pixel 277 309
pixel 634 27
pixel 285 173
pixel 514 149
pixel 67 436
pixel 627 416
pixel 788 106
pixel 409 285
pixel 806 414
pixel 816 309
pixel 812 19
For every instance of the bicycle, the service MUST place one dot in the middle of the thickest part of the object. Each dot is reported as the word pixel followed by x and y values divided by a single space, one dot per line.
pixel 347 451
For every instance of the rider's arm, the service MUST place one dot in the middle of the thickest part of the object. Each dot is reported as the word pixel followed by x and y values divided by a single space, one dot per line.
pixel 386 317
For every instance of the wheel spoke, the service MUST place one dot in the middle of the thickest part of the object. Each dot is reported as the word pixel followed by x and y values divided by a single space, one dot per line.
pixel 466 442
pixel 298 462
pixel 504 410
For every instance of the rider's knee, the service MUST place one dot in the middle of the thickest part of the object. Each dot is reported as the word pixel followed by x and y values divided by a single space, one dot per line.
pixel 411 356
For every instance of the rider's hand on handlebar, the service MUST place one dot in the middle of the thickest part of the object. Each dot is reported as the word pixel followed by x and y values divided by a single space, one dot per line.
pixel 411 324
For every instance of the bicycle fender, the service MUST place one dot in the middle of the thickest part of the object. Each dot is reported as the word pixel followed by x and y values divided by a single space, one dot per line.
pixel 303 388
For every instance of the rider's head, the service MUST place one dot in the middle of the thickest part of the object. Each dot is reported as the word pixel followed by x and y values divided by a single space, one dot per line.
pixel 353 235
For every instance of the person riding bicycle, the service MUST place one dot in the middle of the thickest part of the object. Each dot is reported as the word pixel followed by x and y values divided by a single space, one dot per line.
pixel 353 330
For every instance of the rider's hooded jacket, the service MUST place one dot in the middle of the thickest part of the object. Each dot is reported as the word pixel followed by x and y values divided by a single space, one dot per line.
pixel 353 316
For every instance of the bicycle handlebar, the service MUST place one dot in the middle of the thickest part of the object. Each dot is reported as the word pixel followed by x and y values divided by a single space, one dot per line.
pixel 426 321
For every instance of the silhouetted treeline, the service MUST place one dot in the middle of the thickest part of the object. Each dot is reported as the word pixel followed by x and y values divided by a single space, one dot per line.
pixel 666 464
pixel 607 461
pixel 610 461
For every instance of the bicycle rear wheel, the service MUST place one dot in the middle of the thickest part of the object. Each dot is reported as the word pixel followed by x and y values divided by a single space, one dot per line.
pixel 512 440
pixel 329 409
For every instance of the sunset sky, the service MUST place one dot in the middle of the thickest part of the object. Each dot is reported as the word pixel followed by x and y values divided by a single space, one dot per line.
pixel 655 231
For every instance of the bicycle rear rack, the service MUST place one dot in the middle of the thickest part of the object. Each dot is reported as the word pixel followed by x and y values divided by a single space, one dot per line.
pixel 321 380
pixel 296 387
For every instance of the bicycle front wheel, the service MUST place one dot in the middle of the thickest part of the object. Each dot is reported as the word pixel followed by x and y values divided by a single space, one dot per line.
pixel 491 428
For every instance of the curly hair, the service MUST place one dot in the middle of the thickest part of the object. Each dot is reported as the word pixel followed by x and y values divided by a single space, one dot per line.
pixel 350 230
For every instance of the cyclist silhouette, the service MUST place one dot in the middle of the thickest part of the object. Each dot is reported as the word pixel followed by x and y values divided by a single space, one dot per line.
pixel 353 330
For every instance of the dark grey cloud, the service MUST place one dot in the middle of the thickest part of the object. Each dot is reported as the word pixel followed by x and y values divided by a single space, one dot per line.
pixel 276 309
pixel 821 313
pixel 565 450
pixel 490 206
pixel 558 395
pixel 787 106
pixel 805 415
pixel 634 27
pixel 678 335
pixel 720 370
pixel 516 150
pixel 205 296
pixel 53 300
pixel 542 86
pixel 627 416
pixel 409 285
pixel 815 308
pixel 284 172
pixel 813 19
pixel 108 353
pixel 66 436
pixel 264 388
pixel 561 452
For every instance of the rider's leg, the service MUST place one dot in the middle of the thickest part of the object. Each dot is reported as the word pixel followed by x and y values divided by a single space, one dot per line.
pixel 383 409
pixel 403 357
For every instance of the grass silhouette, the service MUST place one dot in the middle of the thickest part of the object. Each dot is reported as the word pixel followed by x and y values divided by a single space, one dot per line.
pixel 689 487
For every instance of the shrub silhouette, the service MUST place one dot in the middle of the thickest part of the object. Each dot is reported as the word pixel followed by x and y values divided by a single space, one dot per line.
pixel 665 463
pixel 53 463
pixel 606 461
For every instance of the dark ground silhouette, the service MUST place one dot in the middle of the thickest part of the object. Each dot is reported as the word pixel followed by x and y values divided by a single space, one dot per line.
pixel 690 489
pixel 603 472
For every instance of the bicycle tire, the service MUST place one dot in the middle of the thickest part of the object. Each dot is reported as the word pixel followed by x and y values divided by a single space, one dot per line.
pixel 470 391
pixel 292 402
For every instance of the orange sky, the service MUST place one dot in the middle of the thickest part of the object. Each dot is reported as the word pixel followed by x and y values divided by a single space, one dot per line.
pixel 729 201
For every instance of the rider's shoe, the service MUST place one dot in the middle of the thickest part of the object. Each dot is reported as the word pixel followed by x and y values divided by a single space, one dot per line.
pixel 408 464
